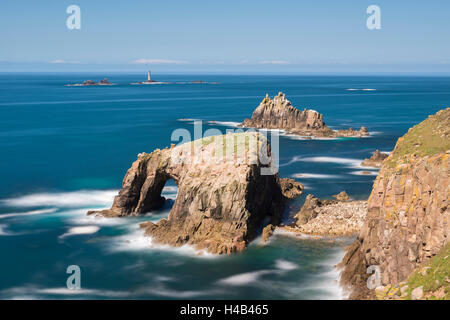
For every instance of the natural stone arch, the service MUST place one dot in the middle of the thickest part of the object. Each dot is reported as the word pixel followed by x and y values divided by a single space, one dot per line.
pixel 220 205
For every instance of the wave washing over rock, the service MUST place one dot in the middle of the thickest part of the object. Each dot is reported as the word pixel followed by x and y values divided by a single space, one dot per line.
pixel 408 213
pixel 226 190
pixel 280 114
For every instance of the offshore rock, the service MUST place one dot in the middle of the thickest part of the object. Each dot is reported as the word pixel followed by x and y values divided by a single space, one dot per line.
pixel 375 160
pixel 278 113
pixel 226 191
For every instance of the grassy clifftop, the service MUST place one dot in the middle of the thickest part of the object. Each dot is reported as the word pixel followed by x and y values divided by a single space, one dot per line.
pixel 433 277
pixel 427 138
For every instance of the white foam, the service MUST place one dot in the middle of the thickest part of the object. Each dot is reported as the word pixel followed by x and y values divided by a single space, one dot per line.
pixel 364 89
pixel 2 230
pixel 364 173
pixel 244 278
pixel 80 230
pixel 137 241
pixel 299 137
pixel 97 220
pixel 64 199
pixel 285 265
pixel 315 176
pixel 352 163
pixel 28 213
pixel 225 123
pixel 329 280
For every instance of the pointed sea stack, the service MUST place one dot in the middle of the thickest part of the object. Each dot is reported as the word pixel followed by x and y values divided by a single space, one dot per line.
pixel 278 113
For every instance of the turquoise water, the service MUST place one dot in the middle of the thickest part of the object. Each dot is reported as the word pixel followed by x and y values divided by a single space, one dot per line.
pixel 65 150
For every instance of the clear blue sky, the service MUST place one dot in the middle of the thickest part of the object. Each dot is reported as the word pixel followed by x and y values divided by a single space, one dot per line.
pixel 208 35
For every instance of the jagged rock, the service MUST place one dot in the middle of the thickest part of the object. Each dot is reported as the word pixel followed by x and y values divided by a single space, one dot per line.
pixel 280 114
pixel 309 210
pixel 408 212
pixel 267 233
pixel 290 188
pixel 375 160
pixel 223 196
pixel 329 217
pixel 341 196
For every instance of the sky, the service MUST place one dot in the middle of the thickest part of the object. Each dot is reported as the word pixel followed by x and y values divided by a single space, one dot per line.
pixel 283 36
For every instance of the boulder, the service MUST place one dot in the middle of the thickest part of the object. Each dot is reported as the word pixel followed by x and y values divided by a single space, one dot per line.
pixel 341 196
pixel 417 293
pixel 290 188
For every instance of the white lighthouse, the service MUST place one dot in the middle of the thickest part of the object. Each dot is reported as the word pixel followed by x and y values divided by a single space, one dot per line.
pixel 149 78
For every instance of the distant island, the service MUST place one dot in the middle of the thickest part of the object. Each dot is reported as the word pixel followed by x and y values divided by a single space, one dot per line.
pixel 151 81
pixel 104 82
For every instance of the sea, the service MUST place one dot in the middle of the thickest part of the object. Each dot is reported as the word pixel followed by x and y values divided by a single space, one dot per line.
pixel 64 150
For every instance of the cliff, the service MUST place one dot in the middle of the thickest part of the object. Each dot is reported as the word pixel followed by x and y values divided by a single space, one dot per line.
pixel 408 215
pixel 278 113
pixel 225 192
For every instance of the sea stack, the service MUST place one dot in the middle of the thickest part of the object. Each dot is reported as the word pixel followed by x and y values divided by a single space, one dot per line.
pixel 226 192
pixel 278 113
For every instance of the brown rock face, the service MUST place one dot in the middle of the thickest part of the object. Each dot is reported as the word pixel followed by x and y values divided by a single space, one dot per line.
pixel 290 188
pixel 408 218
pixel 375 160
pixel 221 202
pixel 267 233
pixel 280 114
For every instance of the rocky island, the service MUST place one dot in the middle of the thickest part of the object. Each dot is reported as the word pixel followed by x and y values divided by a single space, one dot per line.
pixel 375 160
pixel 278 113
pixel 224 195
pixel 104 82
pixel 407 228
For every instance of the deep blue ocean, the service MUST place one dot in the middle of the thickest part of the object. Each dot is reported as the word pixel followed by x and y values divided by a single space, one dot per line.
pixel 64 150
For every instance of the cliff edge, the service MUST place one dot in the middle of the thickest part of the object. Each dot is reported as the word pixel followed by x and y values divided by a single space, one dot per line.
pixel 408 218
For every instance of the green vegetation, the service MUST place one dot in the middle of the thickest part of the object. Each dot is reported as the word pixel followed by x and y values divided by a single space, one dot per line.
pixel 427 138
pixel 434 276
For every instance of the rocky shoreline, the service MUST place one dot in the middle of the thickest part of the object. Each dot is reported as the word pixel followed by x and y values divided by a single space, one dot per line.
pixel 328 218
pixel 221 206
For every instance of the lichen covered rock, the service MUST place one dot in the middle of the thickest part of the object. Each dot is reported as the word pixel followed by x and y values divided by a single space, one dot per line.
pixel 408 219
pixel 226 189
